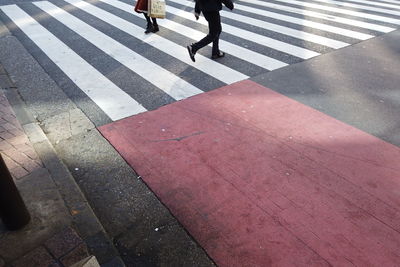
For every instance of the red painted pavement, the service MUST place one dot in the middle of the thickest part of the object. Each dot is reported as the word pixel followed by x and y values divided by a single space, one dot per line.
pixel 261 180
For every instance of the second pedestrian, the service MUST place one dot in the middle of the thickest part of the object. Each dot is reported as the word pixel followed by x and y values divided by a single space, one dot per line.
pixel 142 7
pixel 210 10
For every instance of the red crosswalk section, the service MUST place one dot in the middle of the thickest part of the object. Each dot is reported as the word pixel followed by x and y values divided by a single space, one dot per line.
pixel 259 179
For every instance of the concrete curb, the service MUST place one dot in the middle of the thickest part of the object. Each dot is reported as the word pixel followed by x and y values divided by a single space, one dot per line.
pixel 85 221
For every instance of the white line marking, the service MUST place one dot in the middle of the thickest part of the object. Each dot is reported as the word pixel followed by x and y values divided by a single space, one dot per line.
pixel 278 28
pixel 343 11
pixel 163 79
pixel 208 66
pixel 251 36
pixel 310 37
pixel 324 27
pixel 235 50
pixel 376 9
pixel 111 99
pixel 388 1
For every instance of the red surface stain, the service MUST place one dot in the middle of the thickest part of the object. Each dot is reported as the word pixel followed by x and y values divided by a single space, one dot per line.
pixel 262 180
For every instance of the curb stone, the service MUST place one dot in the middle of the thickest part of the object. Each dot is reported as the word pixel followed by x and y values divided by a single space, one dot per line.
pixel 84 220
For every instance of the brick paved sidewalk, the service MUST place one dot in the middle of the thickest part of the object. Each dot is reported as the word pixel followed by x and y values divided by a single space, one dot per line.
pixel 19 155
pixel 47 240
pixel 57 206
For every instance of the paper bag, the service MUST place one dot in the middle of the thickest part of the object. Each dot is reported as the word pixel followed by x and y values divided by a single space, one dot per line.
pixel 156 9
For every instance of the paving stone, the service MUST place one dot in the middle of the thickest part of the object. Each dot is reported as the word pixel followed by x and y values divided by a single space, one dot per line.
pixel 6 135
pixel 18 172
pixel 18 140
pixel 78 254
pixel 2 263
pixel 30 165
pixel 22 159
pixel 48 213
pixel 8 126
pixel 10 118
pixel 9 162
pixel 35 133
pixel 67 124
pixel 23 147
pixel 33 155
pixel 38 257
pixel 13 154
pixel 64 242
pixel 4 145
pixel 16 131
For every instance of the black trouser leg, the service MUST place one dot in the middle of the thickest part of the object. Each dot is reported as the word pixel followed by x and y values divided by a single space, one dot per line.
pixel 150 26
pixel 147 18
pixel 215 47
pixel 214 26
pixel 154 20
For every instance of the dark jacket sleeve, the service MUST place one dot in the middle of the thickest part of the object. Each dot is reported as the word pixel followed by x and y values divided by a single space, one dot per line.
pixel 228 4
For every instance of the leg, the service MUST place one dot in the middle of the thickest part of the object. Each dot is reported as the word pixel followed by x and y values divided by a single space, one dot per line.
pixel 216 53
pixel 218 29
pixel 155 25
pixel 214 26
pixel 149 27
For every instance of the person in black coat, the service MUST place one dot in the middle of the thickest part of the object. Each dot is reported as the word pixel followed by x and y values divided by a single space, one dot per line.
pixel 210 10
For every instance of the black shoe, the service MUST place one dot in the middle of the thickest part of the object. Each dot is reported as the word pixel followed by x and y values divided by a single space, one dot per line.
pixel 149 28
pixel 220 54
pixel 191 53
pixel 155 28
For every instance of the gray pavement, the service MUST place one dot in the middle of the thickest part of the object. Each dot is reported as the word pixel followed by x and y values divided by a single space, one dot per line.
pixel 358 85
pixel 138 225
pixel 57 208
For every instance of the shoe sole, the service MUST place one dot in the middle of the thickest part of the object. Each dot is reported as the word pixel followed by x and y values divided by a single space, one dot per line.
pixel 189 48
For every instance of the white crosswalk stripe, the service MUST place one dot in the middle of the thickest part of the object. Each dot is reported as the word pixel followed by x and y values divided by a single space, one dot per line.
pixel 377 3
pixel 277 28
pixel 384 2
pixel 258 36
pixel 206 65
pixel 256 58
pixel 98 88
pixel 358 6
pixel 266 41
pixel 343 11
pixel 171 84
pixel 312 24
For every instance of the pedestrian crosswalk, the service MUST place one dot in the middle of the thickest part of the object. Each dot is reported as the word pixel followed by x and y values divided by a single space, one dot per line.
pixel 100 46
pixel 314 14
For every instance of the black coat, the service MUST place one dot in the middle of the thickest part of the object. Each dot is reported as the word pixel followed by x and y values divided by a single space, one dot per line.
pixel 211 5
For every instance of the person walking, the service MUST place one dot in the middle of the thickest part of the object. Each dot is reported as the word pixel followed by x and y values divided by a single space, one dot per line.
pixel 142 7
pixel 210 10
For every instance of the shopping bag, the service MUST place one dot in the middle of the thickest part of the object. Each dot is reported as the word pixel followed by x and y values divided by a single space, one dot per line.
pixel 156 9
